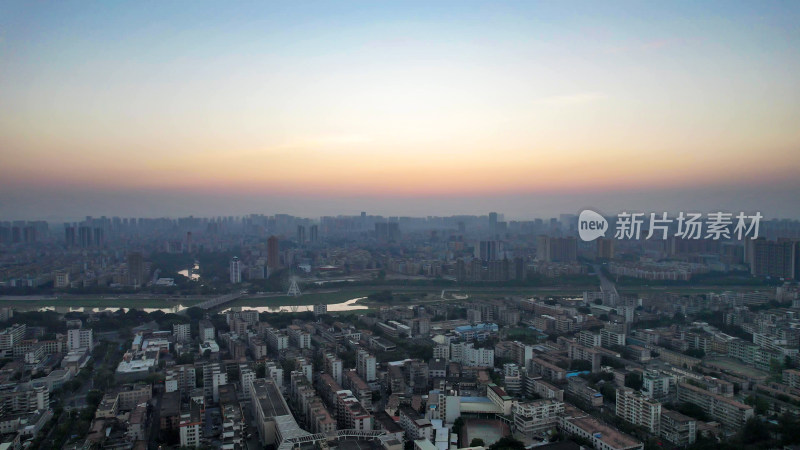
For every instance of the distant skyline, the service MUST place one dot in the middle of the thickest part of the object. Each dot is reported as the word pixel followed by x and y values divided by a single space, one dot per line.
pixel 405 108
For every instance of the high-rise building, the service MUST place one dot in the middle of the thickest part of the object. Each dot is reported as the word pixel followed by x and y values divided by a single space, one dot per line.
pixel 605 248
pixel 366 365
pixel 520 269
pixel 555 249
pixel 387 231
pixel 85 236
pixel 273 253
pixel 301 234
pixel 488 250
pixel 776 259
pixel 333 367
pixel 69 235
pixel 136 275
pixel 236 270
pixel 314 234
pixel 493 222
pixel 29 234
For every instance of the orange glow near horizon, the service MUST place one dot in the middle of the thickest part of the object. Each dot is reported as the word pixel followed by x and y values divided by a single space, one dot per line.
pixel 395 99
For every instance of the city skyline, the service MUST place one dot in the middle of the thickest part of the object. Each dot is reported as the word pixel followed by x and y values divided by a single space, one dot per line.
pixel 401 109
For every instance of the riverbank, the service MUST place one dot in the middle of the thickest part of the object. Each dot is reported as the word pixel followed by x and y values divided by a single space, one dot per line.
pixel 344 294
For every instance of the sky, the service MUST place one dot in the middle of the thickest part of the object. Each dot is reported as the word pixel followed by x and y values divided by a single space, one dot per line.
pixel 149 109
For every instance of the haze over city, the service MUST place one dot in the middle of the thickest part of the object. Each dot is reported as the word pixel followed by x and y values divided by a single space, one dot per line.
pixel 399 225
pixel 407 108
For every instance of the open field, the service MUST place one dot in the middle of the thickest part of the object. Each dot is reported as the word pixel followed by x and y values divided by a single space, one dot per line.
pixel 731 364
pixel 326 298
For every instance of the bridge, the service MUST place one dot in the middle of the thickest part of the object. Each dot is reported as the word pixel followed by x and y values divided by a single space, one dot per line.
pixel 219 301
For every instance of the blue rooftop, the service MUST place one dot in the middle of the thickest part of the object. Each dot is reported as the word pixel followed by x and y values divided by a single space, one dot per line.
pixel 476 399
pixel 478 327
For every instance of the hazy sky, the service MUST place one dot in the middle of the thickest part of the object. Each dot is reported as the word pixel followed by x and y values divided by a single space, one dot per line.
pixel 527 108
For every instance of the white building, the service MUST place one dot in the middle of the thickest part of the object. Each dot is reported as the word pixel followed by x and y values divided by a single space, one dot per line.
pixel 468 355
pixel 637 409
pixel 277 340
pixel 246 376
pixel 298 337
pixel 190 428
pixel 533 418
pixel 79 338
pixel 333 366
pixel 302 365
pixel 366 366
pixel 206 330
pixel 217 380
pixel 182 332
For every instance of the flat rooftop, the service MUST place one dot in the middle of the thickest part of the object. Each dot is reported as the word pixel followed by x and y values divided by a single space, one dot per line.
pixel 270 398
pixel 612 437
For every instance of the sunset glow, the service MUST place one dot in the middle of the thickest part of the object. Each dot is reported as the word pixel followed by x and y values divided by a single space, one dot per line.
pixel 330 101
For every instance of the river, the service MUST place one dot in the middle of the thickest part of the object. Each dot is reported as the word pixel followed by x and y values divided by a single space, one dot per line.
pixel 349 305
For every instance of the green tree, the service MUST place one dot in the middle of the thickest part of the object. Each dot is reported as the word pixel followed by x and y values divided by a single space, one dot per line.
pixel 692 410
pixel 477 442
pixel 94 397
pixel 507 443
pixel 754 431
pixel 759 404
pixel 458 424
pixel 609 392
pixel 633 381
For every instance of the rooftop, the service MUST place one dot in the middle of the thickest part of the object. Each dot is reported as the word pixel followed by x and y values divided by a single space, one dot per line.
pixel 270 398
pixel 610 436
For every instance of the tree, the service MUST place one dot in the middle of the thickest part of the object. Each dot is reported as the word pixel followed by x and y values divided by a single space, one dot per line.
pixel 695 353
pixel 692 410
pixel 94 397
pixel 759 404
pixel 754 431
pixel 609 392
pixel 598 301
pixel 507 443
pixel 775 367
pixel 382 296
pixel 458 425
pixel 477 442
pixel 633 381
pixel 580 364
